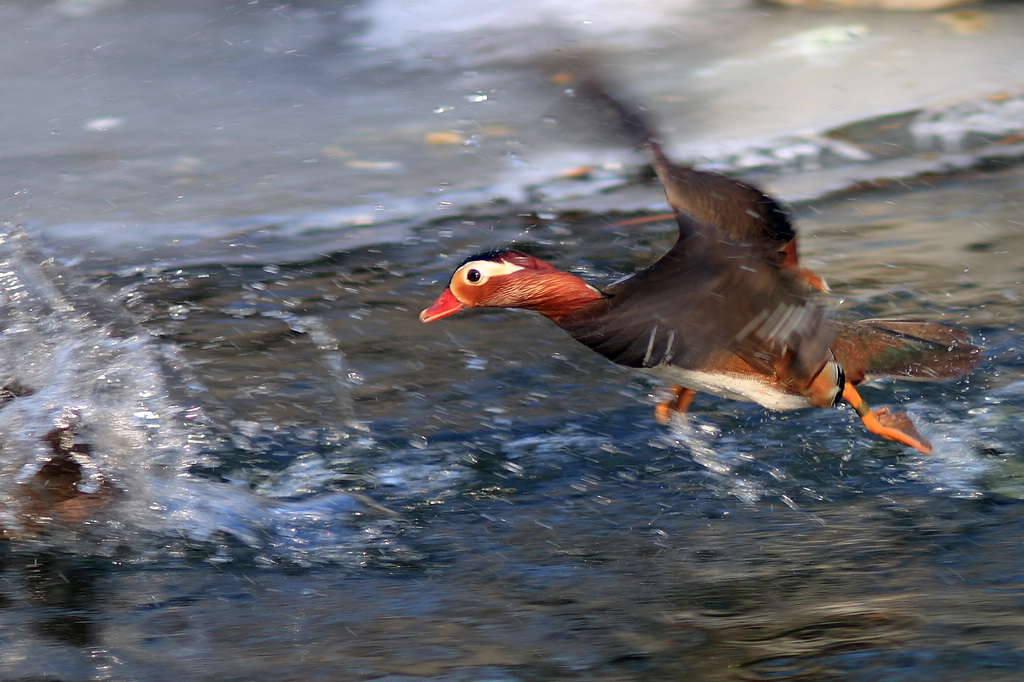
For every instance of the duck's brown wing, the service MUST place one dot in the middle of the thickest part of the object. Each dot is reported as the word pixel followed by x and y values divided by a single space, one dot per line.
pixel 706 295
pixel 740 211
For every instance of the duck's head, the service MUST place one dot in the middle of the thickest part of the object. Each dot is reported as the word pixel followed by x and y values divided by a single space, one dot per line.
pixel 511 279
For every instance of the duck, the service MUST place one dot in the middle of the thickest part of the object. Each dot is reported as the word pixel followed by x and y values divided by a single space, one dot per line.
pixel 728 310
pixel 713 317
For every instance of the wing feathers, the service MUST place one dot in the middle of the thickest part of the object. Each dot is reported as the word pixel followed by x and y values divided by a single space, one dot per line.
pixel 708 294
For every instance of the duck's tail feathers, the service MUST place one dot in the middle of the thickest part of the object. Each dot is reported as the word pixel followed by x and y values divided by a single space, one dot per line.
pixel 904 349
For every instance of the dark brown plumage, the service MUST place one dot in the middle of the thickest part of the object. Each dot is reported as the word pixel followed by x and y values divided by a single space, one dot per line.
pixel 707 294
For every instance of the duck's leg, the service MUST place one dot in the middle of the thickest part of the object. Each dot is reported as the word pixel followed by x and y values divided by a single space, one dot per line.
pixel 679 402
pixel 881 422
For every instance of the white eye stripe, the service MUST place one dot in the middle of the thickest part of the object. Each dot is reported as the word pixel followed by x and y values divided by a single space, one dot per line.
pixel 487 269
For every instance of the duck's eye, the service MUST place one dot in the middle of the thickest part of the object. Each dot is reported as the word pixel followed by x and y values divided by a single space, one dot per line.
pixel 479 272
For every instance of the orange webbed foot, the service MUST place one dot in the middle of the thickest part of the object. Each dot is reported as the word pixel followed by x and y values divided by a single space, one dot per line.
pixel 900 422
pixel 679 403
pixel 890 425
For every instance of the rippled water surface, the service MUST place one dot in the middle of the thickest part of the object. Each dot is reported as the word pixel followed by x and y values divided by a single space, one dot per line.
pixel 277 472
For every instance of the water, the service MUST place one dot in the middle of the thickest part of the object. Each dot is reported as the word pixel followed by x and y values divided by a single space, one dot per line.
pixel 209 315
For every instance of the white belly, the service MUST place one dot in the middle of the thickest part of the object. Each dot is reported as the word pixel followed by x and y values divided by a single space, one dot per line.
pixel 733 386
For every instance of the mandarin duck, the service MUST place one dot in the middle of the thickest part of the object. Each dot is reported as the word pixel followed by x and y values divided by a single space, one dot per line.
pixel 726 310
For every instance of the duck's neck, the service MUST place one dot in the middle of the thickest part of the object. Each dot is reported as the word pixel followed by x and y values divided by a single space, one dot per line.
pixel 557 295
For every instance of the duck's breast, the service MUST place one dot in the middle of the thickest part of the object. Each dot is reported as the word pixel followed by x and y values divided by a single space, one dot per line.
pixel 751 388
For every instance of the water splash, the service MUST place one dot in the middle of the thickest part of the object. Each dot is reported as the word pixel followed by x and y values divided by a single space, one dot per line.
pixel 703 442
pixel 331 357
pixel 94 451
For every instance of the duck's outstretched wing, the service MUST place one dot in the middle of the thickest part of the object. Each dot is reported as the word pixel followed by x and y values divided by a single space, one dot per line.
pixel 740 210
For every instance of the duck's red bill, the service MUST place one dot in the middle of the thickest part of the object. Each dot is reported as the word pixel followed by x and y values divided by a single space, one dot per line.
pixel 445 305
